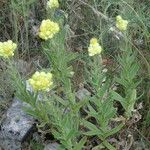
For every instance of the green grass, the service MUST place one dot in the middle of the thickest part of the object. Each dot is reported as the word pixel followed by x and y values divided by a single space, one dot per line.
pixel 35 145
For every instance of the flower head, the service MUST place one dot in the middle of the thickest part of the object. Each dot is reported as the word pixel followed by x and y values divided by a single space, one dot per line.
pixel 94 47
pixel 7 48
pixel 41 81
pixel 48 29
pixel 121 24
pixel 52 4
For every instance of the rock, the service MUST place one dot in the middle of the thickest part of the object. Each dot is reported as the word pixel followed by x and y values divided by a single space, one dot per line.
pixel 10 145
pixel 51 146
pixel 82 93
pixel 15 127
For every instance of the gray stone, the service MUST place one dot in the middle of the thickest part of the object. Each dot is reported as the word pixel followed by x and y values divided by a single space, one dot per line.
pixel 16 125
pixel 10 145
pixel 82 93
pixel 51 146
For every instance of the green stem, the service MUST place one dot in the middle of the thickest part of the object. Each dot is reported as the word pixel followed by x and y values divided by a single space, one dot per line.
pixel 108 145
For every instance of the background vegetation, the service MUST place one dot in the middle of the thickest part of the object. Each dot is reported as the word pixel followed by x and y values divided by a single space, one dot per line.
pixel 83 19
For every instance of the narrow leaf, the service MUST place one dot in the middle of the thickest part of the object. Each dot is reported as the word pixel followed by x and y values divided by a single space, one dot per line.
pixel 80 145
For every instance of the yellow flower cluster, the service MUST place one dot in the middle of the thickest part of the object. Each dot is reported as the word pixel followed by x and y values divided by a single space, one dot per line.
pixel 7 48
pixel 48 29
pixel 120 23
pixel 52 4
pixel 94 47
pixel 41 81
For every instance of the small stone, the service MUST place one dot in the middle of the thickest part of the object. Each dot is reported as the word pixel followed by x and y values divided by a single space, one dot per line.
pixel 51 146
pixel 82 93
pixel 16 125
